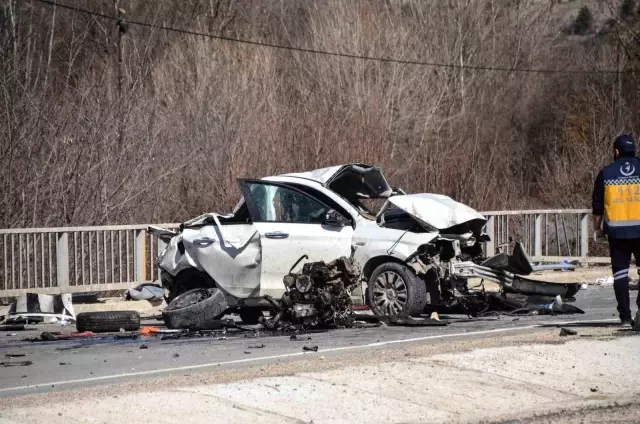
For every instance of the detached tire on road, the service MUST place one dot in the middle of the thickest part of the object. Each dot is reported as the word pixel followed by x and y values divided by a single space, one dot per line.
pixel 108 322
pixel 195 309
pixel 393 289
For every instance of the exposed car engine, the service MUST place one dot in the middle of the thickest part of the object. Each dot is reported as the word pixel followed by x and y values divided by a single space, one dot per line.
pixel 319 295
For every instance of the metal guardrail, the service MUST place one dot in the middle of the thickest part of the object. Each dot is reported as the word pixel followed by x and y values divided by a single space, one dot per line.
pixel 76 259
pixel 92 259
pixel 547 235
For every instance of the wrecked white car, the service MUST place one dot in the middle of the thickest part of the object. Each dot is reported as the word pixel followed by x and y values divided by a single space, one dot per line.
pixel 416 250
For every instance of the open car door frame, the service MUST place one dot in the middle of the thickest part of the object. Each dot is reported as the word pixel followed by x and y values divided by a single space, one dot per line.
pixel 286 239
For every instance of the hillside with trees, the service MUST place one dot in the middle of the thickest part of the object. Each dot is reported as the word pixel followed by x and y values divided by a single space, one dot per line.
pixel 513 104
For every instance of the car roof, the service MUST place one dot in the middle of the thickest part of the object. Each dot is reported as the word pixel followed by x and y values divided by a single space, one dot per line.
pixel 323 175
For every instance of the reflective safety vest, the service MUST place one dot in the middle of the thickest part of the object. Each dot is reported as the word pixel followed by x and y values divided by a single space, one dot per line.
pixel 622 198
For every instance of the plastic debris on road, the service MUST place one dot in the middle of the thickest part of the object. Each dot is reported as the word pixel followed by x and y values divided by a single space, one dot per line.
pixel 16 364
pixel 564 332
pixel 605 281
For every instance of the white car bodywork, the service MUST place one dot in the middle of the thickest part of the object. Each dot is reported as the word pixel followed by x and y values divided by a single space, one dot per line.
pixel 248 258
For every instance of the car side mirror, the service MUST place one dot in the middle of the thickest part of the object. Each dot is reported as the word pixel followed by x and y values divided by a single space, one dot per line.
pixel 334 219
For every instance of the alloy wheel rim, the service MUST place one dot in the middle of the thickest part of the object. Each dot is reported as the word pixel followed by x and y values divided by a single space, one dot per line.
pixel 390 293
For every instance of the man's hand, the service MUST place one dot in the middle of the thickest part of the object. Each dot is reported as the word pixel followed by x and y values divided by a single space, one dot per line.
pixel 598 235
pixel 597 227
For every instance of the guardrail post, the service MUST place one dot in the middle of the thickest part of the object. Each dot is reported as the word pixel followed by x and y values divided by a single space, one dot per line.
pixel 140 256
pixel 161 246
pixel 490 246
pixel 584 235
pixel 62 260
pixel 537 237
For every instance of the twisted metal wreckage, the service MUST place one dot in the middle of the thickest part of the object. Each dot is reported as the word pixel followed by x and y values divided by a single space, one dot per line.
pixel 415 254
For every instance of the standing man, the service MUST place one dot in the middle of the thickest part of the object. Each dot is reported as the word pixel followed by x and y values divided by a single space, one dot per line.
pixel 616 203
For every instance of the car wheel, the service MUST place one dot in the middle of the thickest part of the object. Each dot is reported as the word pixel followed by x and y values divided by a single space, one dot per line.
pixel 250 316
pixel 394 289
pixel 108 321
pixel 186 280
pixel 195 309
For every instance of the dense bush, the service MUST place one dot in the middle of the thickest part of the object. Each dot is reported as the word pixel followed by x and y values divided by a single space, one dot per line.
pixel 193 114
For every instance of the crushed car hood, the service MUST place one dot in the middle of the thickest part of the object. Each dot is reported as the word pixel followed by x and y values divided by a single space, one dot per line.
pixel 436 210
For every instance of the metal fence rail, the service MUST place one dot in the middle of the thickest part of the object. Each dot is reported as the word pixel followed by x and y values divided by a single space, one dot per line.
pixel 76 259
pixel 91 259
pixel 547 235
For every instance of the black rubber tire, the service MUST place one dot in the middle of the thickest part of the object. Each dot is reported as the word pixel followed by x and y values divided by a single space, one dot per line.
pixel 251 316
pixel 416 289
pixel 188 279
pixel 108 322
pixel 195 308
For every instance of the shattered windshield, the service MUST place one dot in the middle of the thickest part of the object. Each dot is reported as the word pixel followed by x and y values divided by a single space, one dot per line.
pixel 365 187
pixel 371 207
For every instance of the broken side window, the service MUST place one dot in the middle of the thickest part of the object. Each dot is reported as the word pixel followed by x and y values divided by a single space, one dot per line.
pixel 274 203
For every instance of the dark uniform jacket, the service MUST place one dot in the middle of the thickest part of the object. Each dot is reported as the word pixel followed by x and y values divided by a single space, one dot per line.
pixel 616 195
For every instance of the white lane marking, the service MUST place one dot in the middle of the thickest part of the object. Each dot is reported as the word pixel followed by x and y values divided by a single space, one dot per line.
pixel 294 354
pixel 586 321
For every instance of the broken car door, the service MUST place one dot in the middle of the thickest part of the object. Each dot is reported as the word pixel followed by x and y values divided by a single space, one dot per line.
pixel 292 224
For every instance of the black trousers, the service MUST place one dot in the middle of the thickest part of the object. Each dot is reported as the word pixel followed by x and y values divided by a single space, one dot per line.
pixel 621 251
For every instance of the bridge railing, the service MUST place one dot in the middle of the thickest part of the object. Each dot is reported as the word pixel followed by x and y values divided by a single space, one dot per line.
pixel 114 258
pixel 77 259
pixel 548 235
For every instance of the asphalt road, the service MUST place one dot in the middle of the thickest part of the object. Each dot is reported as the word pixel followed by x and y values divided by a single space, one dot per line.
pixel 73 364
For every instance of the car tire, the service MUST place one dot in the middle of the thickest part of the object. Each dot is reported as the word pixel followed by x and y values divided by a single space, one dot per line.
pixel 195 309
pixel 393 289
pixel 108 321
pixel 251 316
pixel 188 279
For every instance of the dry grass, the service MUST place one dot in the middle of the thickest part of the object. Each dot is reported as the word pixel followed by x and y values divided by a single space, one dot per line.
pixel 199 113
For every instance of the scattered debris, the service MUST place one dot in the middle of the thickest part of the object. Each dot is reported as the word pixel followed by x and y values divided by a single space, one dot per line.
pixel 36 305
pixel 176 355
pixel 310 348
pixel 260 346
pixel 48 337
pixel 564 332
pixel 146 291
pixel 16 364
pixel 15 355
pixel 51 336
pixel 13 327
pixel 605 281
pixel 127 336
pixel 65 363
pixel 520 304
pixel 594 389
pixel 246 352
pixel 401 320
pixel 319 295
pixel 435 316
pixel 144 346
pixel 81 335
